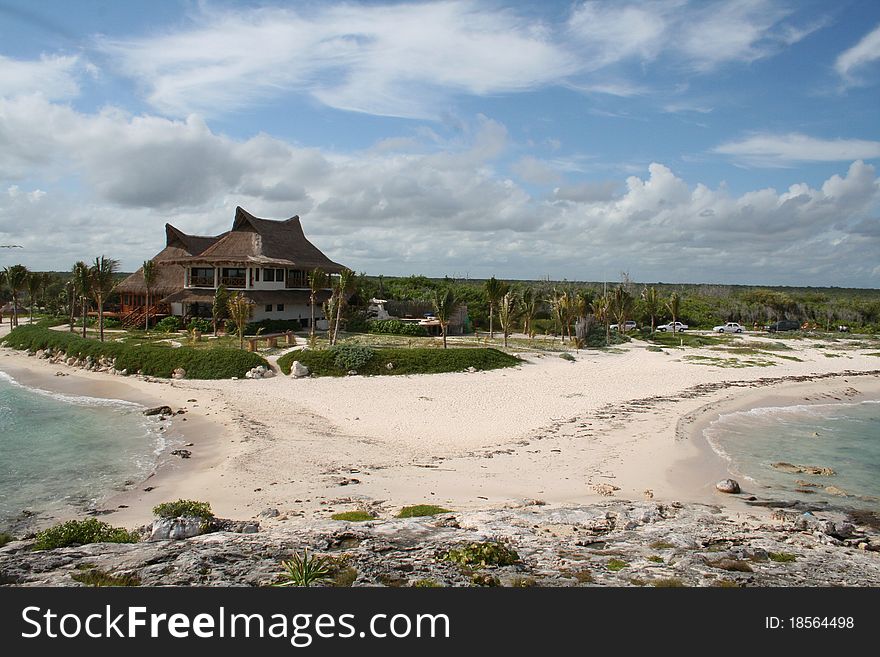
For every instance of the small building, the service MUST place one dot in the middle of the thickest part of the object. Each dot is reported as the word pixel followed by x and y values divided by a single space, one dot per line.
pixel 267 261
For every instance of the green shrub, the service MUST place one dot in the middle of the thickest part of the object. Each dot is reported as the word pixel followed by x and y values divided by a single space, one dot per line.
pixel 198 323
pixel 616 564
pixel 348 357
pixel 6 538
pixel 782 557
pixel 82 532
pixel 567 356
pixel 421 510
pixel 149 359
pixel 668 583
pixel 98 577
pixel 305 570
pixel 353 516
pixel 110 323
pixel 169 324
pixel 486 553
pixel 271 326
pixel 405 361
pixel 426 584
pixel 395 327
pixel 181 508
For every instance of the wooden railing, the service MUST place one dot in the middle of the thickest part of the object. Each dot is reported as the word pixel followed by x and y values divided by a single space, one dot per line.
pixel 233 281
pixel 201 281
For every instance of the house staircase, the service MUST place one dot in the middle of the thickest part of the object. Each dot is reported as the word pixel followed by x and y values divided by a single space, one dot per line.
pixel 136 317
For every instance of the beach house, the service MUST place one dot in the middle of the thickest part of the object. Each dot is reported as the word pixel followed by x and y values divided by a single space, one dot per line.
pixel 267 261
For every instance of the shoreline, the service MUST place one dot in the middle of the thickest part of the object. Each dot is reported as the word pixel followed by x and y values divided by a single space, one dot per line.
pixel 313 447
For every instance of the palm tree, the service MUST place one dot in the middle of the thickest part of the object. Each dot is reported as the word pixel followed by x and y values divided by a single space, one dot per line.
pixel 33 284
pixel 102 275
pixel 82 281
pixel 343 287
pixel 16 279
pixel 529 305
pixel 672 305
pixel 621 308
pixel 445 304
pixel 506 314
pixel 240 310
pixel 70 292
pixel 494 290
pixel 150 274
pixel 601 306
pixel 317 282
pixel 220 307
pixel 652 301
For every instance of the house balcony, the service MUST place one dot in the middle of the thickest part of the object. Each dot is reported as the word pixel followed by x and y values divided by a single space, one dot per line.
pixel 233 281
pixel 201 281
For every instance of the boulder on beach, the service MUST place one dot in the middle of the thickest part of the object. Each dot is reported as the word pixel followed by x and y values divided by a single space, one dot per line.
pixel 728 486
pixel 158 410
pixel 803 469
pixel 178 373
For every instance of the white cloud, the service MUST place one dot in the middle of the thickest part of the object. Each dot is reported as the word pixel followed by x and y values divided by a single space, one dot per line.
pixel 50 76
pixel 855 59
pixel 783 150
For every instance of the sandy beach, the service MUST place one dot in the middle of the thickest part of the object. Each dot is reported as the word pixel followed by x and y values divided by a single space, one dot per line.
pixel 623 424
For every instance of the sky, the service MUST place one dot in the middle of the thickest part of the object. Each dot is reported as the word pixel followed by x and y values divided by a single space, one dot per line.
pixel 733 141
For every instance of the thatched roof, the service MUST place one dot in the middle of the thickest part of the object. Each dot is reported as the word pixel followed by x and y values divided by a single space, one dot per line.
pixel 264 242
pixel 169 275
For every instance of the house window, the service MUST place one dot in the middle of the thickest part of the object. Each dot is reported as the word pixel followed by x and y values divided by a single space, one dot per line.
pixel 279 275
pixel 257 274
pixel 268 307
pixel 269 275
pixel 233 276
pixel 279 307
pixel 297 278
pixel 202 277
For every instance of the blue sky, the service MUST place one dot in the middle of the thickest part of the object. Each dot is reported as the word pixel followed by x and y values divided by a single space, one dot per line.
pixel 732 142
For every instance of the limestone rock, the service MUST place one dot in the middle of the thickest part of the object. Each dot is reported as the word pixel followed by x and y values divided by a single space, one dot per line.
pixel 177 528
pixel 298 370
pixel 728 486
pixel 178 373
pixel 158 410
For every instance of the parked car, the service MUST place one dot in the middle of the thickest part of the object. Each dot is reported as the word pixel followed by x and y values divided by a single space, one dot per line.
pixel 730 327
pixel 784 325
pixel 629 326
pixel 668 327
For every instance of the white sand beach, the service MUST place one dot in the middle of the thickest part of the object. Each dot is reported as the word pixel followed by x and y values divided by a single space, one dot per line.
pixel 624 424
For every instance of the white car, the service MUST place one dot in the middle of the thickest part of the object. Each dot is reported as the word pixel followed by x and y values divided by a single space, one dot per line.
pixel 669 327
pixel 730 327
pixel 629 326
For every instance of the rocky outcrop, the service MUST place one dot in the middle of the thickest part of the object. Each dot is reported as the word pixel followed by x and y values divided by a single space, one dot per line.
pixel 728 486
pixel 259 372
pixel 298 370
pixel 616 543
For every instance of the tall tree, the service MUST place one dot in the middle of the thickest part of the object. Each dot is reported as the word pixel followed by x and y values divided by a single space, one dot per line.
pixel 673 305
pixel 493 291
pixel 601 306
pixel 220 307
pixel 150 273
pixel 70 292
pixel 445 304
pixel 343 288
pixel 622 305
pixel 16 281
pixel 240 311
pixel 653 303
pixel 529 306
pixel 33 283
pixel 102 275
pixel 507 314
pixel 317 282
pixel 82 280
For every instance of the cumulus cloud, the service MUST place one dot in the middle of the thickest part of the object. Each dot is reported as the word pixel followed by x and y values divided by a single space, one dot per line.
pixel 784 150
pixel 855 59
pixel 53 77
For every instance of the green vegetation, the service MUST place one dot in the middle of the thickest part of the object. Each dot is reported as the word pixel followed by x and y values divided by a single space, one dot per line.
pixel 567 356
pixel 305 570
pixel 523 583
pixel 668 583
pixel 6 538
pixel 486 553
pixel 199 324
pixel 685 339
pixel 98 577
pixel 168 325
pixel 395 327
pixel 584 576
pixel 616 564
pixel 353 516
pixel 152 360
pixel 426 584
pixel 782 557
pixel 728 362
pixel 662 545
pixel 347 357
pixel 403 361
pixel 82 532
pixel 420 510
pixel 180 508
pixel 655 558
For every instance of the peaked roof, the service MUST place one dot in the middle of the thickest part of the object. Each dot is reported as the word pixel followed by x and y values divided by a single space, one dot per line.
pixel 265 242
pixel 169 275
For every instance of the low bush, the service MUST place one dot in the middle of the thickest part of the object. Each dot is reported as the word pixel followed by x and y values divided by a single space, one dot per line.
pixel 198 324
pixel 348 357
pixel 6 538
pixel 180 508
pixel 271 326
pixel 148 359
pixel 169 324
pixel 421 510
pixel 486 553
pixel 353 516
pixel 82 532
pixel 98 577
pixel 402 361
pixel 395 327
pixel 616 564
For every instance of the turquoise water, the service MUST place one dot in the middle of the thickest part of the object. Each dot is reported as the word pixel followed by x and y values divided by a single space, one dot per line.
pixel 844 437
pixel 62 453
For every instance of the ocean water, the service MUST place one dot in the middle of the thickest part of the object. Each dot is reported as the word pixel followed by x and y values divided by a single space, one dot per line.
pixel 841 436
pixel 62 453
